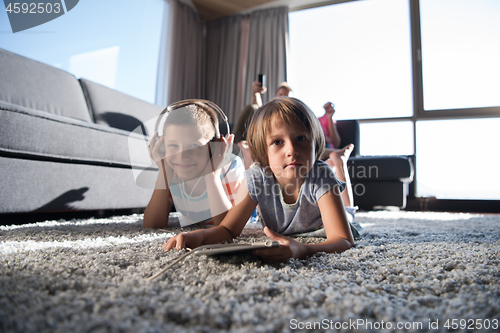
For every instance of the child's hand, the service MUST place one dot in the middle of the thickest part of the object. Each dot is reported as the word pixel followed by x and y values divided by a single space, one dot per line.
pixel 289 248
pixel 157 153
pixel 181 241
pixel 221 153
pixel 156 150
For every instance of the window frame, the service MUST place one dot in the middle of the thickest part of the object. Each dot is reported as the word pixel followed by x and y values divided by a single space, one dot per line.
pixel 418 104
pixel 418 88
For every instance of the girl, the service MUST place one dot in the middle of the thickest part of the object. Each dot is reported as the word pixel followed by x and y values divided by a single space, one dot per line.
pixel 197 171
pixel 295 190
pixel 329 126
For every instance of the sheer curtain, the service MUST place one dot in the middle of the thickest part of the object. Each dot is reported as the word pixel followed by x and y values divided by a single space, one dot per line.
pixel 268 49
pixel 239 48
pixel 223 62
pixel 181 68
pixel 219 60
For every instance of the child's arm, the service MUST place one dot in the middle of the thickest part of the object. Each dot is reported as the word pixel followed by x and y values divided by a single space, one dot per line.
pixel 160 204
pixel 219 202
pixel 338 232
pixel 257 89
pixel 230 227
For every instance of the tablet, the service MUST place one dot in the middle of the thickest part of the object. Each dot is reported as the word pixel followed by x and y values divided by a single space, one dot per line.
pixel 219 249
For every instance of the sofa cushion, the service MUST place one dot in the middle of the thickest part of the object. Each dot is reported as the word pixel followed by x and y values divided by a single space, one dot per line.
pixel 118 110
pixel 38 86
pixel 40 135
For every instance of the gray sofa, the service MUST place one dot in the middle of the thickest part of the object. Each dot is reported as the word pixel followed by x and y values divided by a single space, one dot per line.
pixel 64 143
pixel 65 146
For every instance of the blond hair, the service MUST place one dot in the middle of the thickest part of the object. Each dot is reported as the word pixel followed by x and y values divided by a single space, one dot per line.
pixel 194 113
pixel 293 112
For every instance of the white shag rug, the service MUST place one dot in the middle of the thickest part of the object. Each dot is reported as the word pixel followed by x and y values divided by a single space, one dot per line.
pixel 411 272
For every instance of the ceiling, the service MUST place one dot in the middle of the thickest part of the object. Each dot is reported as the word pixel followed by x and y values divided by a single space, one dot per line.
pixel 214 9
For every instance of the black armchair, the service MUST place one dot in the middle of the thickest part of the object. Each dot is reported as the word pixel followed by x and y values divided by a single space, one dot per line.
pixel 376 180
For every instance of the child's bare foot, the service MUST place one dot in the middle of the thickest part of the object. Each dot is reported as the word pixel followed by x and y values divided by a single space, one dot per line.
pixel 340 156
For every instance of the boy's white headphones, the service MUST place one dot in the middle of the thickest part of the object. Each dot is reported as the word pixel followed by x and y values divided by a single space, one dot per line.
pixel 217 114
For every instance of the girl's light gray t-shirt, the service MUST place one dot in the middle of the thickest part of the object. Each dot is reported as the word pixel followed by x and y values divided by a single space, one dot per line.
pixel 303 215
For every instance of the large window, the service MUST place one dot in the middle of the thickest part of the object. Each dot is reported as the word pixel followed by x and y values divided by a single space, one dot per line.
pixel 460 41
pixel 387 138
pixel 112 42
pixel 356 55
pixel 422 63
pixel 460 52
pixel 458 159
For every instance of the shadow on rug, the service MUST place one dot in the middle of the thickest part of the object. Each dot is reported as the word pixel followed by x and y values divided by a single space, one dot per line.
pixel 411 272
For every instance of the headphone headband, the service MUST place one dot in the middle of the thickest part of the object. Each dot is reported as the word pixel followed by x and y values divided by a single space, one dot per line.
pixel 196 102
